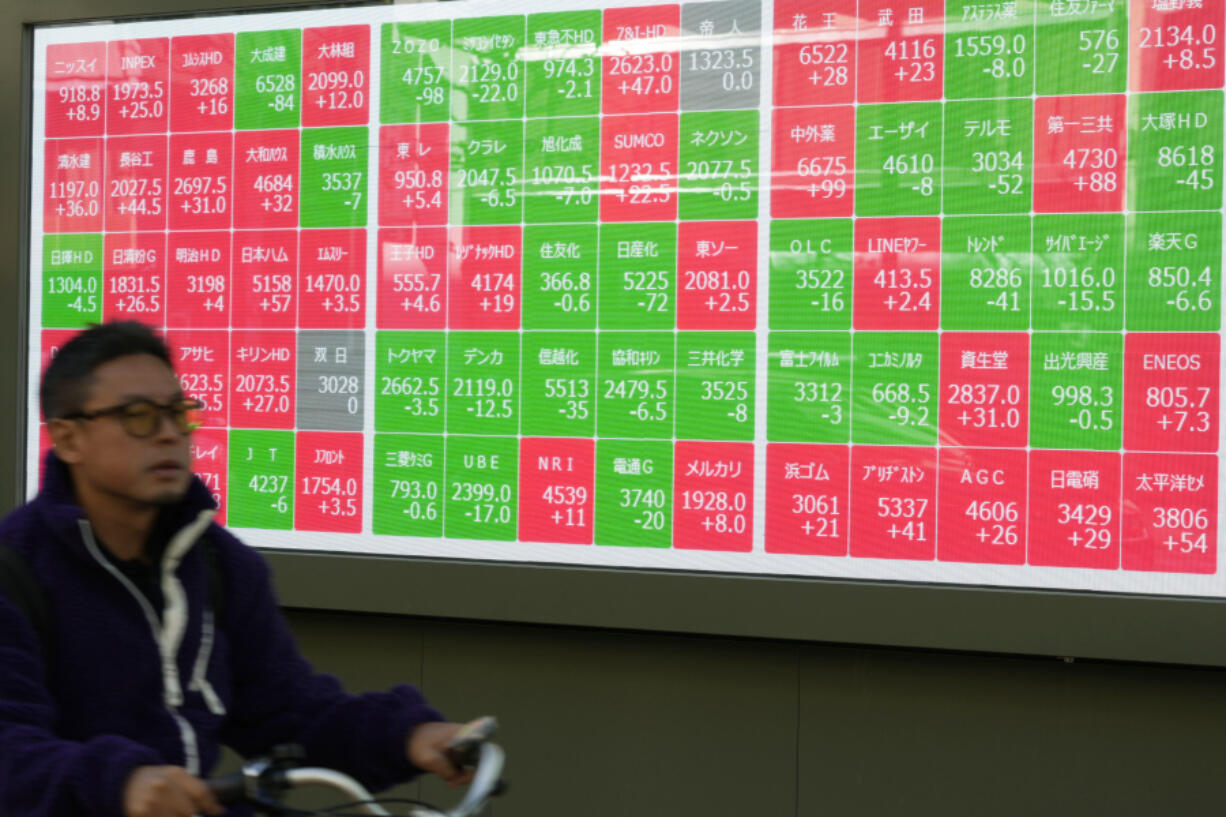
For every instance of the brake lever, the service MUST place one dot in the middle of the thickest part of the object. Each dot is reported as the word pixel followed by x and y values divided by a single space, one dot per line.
pixel 465 746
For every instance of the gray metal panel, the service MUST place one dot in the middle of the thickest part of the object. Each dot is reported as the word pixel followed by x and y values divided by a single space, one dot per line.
pixel 927 734
pixel 365 653
pixel 1177 631
pixel 615 724
pixel 633 723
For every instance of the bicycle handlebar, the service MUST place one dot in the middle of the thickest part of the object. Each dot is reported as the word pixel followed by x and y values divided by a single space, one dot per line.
pixel 266 779
pixel 487 781
pixel 229 790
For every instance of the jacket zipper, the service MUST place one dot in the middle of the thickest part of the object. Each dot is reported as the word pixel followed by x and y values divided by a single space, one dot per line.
pixel 172 691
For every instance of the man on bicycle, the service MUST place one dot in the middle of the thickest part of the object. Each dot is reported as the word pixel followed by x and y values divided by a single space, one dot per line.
pixel 150 666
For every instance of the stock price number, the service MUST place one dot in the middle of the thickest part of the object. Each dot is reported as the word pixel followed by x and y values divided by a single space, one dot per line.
pixel 985 405
pixel 998 521
pixel 569 502
pixel 905 515
pixel 1090 523
pixel 574 393
pixel 490 398
pixel 572 289
pixel 1183 407
pixel 821 512
pixel 1092 407
pixel 488 504
pixel 338 497
pixel 421 393
pixel 420 498
pixel 829 394
pixel 723 511
pixel 1185 529
pixel 651 505
pixel 908 404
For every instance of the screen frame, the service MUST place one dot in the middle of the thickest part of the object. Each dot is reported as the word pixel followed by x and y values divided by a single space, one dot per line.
pixel 1066 624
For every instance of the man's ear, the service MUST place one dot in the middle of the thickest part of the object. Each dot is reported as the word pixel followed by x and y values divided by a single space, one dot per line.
pixel 67 440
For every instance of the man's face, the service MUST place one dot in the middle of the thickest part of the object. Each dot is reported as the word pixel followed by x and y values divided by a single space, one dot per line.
pixel 108 461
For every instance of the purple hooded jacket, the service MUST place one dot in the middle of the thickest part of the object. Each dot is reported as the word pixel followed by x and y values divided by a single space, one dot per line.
pixel 126 685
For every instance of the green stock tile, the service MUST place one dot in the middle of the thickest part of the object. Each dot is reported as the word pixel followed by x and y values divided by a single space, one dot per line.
pixel 487 172
pixel 559 384
pixel 72 280
pixel 898 159
pixel 988 59
pixel 894 388
pixel 1082 48
pixel 260 489
pixel 638 276
pixel 715 385
pixel 1175 151
pixel 488 74
pixel 481 496
pixel 561 170
pixel 483 383
pixel 564 63
pixel 809 387
pixel 411 373
pixel 1076 390
pixel 989 165
pixel 985 273
pixel 1174 277
pixel 416 72
pixel 408 485
pixel 634 493
pixel 1078 272
pixel 559 286
pixel 334 180
pixel 810 274
pixel 719 165
pixel 268 79
pixel 635 385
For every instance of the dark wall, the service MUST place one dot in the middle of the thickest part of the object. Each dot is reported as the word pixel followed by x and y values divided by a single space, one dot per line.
pixel 601 723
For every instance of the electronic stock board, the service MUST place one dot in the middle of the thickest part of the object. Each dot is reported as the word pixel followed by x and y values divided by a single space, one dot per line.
pixel 899 290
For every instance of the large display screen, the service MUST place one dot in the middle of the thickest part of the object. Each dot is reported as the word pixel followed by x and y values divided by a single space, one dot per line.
pixel 901 290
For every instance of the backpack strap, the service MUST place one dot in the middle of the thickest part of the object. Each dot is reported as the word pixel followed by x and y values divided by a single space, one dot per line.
pixel 21 587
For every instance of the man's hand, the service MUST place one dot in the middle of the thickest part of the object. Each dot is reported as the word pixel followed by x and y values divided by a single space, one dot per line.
pixel 167 791
pixel 427 750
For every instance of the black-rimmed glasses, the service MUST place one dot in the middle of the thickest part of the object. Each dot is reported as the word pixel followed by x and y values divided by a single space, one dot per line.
pixel 142 418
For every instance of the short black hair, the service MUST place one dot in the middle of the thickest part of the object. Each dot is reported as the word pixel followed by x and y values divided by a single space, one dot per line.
pixel 68 378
